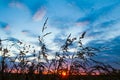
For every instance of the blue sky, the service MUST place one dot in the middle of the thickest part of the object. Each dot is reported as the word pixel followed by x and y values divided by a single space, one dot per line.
pixel 23 20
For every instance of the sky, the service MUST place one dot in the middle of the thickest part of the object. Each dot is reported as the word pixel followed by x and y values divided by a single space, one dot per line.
pixel 23 20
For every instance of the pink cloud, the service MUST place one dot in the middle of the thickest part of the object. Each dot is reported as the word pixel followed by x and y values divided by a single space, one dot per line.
pixel 82 23
pixel 39 15
pixel 17 5
pixel 7 28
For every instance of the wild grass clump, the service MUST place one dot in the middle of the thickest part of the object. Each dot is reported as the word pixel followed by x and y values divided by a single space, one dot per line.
pixel 80 62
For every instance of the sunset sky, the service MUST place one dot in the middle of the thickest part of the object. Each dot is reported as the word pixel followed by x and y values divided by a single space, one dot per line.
pixel 23 20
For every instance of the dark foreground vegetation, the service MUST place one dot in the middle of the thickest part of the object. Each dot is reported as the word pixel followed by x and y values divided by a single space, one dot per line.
pixel 30 63
pixel 59 77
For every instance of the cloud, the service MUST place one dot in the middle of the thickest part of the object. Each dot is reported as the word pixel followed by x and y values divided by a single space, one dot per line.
pixel 39 15
pixel 106 24
pixel 96 14
pixel 29 33
pixel 103 27
pixel 109 49
pixel 58 41
pixel 5 27
pixel 84 23
pixel 111 31
pixel 17 4
pixel 32 5
pixel 13 39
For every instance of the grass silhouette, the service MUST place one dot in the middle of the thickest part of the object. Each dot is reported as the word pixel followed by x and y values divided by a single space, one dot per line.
pixel 64 66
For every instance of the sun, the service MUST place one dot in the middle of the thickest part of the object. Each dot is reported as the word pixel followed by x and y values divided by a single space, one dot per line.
pixel 64 74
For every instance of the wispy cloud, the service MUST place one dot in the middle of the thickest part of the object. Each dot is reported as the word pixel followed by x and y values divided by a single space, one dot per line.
pixel 28 33
pixel 13 39
pixel 39 15
pixel 96 14
pixel 5 27
pixel 16 4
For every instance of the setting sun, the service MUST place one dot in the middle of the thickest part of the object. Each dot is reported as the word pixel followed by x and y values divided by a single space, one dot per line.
pixel 64 74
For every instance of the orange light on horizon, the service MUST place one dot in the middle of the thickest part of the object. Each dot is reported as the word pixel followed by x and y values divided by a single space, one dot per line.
pixel 64 74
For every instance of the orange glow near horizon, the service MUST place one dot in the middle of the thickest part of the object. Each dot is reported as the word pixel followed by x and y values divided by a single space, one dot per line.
pixel 64 74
